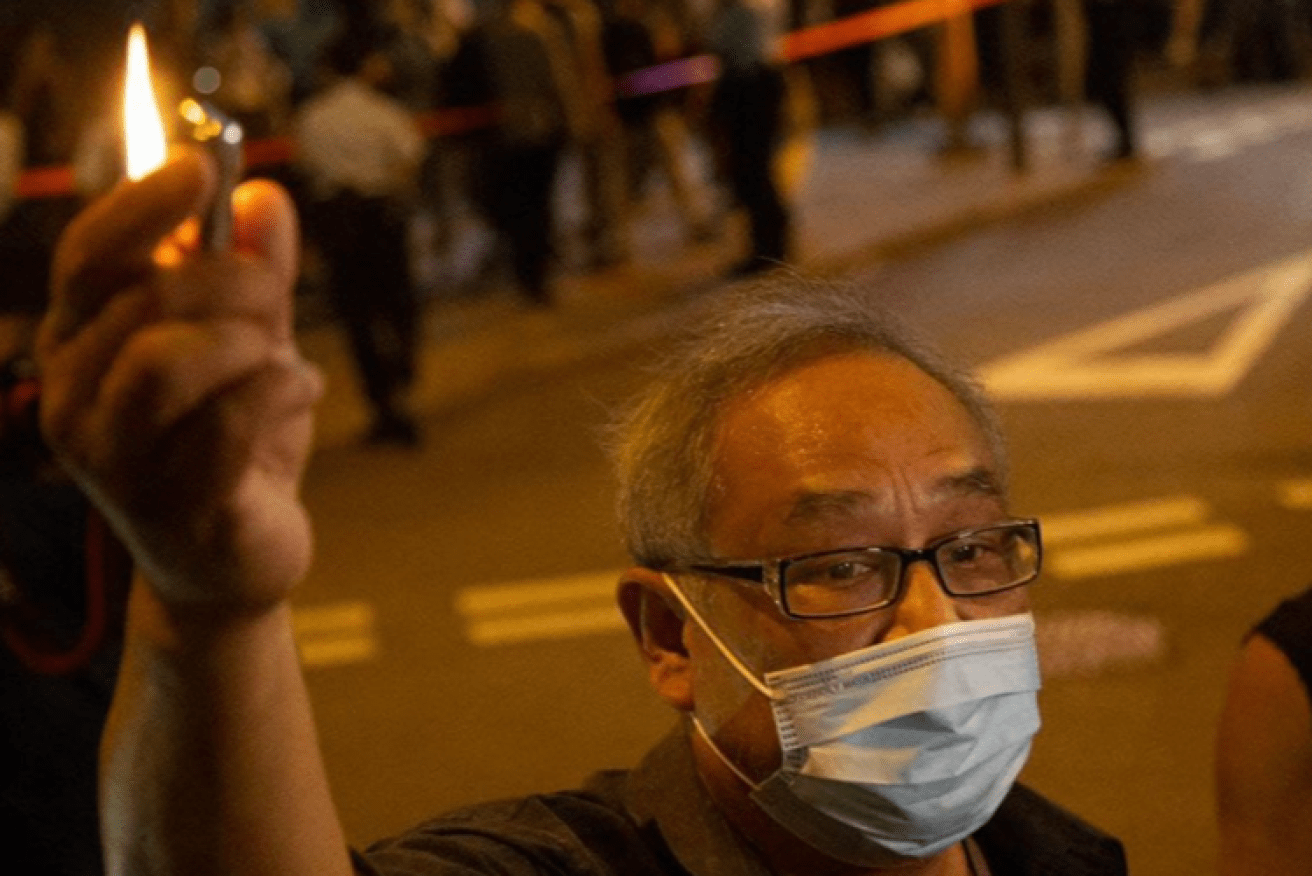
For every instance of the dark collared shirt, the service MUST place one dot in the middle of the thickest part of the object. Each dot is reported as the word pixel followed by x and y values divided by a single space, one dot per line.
pixel 658 820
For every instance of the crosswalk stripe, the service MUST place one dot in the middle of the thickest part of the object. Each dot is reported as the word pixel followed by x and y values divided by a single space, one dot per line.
pixel 338 652
pixel 1123 518
pixel 334 634
pixel 552 625
pixel 547 608
pixel 492 598
pixel 1218 541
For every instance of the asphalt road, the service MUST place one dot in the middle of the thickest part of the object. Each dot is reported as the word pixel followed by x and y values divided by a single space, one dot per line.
pixel 457 624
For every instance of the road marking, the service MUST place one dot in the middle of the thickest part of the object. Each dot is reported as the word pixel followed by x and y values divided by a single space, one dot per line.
pixel 549 608
pixel 1122 518
pixel 491 598
pixel 1296 495
pixel 1219 541
pixel 552 625
pixel 1203 140
pixel 1136 536
pixel 335 633
pixel 1078 365
pixel 1214 145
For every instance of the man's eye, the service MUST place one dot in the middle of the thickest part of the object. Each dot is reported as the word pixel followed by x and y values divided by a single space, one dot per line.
pixel 849 570
pixel 968 553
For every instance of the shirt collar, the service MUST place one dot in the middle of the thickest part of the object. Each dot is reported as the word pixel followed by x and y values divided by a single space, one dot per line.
pixel 665 791
pixel 1028 835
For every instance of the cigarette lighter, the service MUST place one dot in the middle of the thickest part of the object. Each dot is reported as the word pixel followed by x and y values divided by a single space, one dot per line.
pixel 222 138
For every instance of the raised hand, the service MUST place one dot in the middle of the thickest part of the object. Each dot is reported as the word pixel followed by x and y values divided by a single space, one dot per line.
pixel 173 389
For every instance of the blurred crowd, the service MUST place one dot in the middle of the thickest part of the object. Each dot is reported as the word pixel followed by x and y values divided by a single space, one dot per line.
pixel 387 171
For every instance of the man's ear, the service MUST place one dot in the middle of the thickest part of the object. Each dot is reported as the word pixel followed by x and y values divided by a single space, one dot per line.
pixel 656 620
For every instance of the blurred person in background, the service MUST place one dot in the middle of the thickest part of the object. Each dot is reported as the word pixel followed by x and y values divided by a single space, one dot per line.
pixel 1111 28
pixel 516 60
pixel 1268 39
pixel 747 121
pixel 828 588
pixel 420 40
pixel 43 97
pixel 1264 748
pixel 63 579
pixel 638 34
pixel 858 65
pixel 596 138
pixel 255 85
pixel 11 158
pixel 63 592
pixel 360 150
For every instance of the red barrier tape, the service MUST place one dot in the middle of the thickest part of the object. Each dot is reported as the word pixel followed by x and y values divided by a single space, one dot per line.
pixel 810 42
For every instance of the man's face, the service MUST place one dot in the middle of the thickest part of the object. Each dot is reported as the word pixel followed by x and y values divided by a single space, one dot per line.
pixel 852 450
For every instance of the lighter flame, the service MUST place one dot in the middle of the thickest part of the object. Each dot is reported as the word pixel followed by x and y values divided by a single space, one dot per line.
pixel 143 129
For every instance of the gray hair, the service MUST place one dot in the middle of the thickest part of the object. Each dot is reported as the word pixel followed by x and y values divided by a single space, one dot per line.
pixel 663 443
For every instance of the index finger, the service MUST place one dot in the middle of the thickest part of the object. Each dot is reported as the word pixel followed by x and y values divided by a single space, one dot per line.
pixel 110 244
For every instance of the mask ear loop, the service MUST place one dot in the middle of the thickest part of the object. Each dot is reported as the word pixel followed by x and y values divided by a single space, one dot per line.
pixel 724 758
pixel 737 664
pixel 766 691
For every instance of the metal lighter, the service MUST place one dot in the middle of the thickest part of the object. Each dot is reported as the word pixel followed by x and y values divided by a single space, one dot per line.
pixel 222 138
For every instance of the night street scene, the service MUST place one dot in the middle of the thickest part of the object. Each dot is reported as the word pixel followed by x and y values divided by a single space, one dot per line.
pixel 696 437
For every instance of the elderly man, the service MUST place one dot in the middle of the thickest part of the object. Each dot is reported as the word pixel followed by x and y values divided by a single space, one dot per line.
pixel 828 587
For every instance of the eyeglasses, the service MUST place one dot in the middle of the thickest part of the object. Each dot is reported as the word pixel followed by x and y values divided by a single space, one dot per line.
pixel 828 584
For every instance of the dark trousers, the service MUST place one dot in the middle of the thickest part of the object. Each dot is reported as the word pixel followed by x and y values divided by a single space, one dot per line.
pixel 1112 36
pixel 747 111
pixel 519 184
pixel 363 240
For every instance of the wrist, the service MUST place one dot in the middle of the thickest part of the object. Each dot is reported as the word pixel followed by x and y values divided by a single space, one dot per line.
pixel 183 627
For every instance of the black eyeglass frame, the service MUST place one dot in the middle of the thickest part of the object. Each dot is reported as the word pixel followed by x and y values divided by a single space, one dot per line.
pixel 769 573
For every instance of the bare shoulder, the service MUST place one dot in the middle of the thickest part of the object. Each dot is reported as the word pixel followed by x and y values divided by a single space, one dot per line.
pixel 1264 766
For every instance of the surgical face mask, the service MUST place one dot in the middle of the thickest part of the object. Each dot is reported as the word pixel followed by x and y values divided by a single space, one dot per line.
pixel 901 749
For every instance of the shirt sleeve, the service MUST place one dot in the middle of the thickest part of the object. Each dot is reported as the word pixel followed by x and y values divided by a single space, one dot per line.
pixel 568 833
pixel 1289 628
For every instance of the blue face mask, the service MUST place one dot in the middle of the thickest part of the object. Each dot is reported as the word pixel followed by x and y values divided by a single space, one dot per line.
pixel 901 749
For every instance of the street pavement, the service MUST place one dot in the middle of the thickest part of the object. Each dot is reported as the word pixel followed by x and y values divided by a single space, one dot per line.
pixel 1139 326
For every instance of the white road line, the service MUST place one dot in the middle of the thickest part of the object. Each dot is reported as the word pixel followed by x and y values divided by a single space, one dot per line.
pixel 552 625
pixel 1207 543
pixel 319 653
pixel 1121 519
pixel 491 598
pixel 335 633
pixel 1296 495
pixel 546 608
pixel 1213 146
pixel 1083 364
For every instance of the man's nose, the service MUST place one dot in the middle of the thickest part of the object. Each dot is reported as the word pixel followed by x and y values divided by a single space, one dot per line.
pixel 923 603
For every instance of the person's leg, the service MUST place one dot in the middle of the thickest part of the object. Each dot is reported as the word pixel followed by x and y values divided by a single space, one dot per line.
pixel 1111 50
pixel 383 272
pixel 529 216
pixel 397 306
pixel 338 223
pixel 753 135
pixel 605 230
pixel 669 138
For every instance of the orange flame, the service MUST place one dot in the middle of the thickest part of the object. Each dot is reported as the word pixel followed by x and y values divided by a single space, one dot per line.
pixel 143 129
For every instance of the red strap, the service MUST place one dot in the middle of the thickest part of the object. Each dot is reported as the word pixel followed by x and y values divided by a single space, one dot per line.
pixel 17 405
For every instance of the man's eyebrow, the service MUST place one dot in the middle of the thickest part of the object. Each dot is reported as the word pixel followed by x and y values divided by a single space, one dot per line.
pixel 817 505
pixel 979 481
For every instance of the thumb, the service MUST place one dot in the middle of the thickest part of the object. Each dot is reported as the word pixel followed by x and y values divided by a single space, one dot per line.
pixel 265 226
